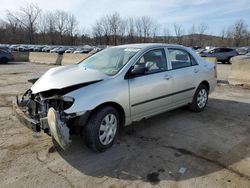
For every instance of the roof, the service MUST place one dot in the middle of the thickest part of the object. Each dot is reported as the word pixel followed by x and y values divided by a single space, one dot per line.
pixel 147 45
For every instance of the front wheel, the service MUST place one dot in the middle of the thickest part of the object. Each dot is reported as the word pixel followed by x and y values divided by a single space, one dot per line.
pixel 102 128
pixel 200 98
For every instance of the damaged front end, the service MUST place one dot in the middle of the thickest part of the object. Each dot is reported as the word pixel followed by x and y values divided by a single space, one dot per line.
pixel 45 111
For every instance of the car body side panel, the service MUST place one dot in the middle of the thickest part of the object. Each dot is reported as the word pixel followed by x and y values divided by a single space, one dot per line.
pixel 149 94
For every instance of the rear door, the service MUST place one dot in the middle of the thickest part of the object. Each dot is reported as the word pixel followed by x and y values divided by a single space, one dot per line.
pixel 185 72
pixel 149 92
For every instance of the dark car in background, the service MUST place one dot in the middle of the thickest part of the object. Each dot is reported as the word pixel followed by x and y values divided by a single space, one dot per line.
pixel 222 55
pixel 5 56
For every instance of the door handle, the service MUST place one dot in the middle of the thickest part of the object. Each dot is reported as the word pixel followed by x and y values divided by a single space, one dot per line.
pixel 167 77
pixel 196 70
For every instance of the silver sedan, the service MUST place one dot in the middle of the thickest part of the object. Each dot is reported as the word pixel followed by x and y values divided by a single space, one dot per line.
pixel 114 88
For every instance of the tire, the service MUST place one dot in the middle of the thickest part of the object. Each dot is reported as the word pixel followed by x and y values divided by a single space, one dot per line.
pixel 223 62
pixel 200 99
pixel 229 60
pixel 97 127
pixel 4 60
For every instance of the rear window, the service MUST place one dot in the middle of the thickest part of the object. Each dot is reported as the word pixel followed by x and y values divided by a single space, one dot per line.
pixel 180 58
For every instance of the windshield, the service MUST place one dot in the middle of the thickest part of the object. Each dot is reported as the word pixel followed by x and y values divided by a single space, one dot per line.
pixel 109 61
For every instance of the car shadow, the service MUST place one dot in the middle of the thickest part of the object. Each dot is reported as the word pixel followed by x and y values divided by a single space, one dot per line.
pixel 175 145
pixel 13 63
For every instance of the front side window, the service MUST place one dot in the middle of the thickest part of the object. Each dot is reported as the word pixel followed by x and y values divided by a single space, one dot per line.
pixel 180 58
pixel 154 61
pixel 109 61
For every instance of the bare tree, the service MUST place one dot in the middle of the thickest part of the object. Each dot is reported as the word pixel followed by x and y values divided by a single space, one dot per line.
pixel 223 36
pixel 192 33
pixel 114 21
pixel 202 29
pixel 97 31
pixel 147 26
pixel 131 29
pixel 138 26
pixel 42 26
pixel 71 27
pixel 167 35
pixel 61 19
pixel 27 16
pixel 51 27
pixel 104 22
pixel 122 30
pixel 179 32
pixel 239 32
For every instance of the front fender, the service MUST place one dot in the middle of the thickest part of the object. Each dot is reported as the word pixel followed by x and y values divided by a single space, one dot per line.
pixel 88 98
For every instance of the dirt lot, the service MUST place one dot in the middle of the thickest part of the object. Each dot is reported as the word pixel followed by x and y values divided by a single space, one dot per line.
pixel 174 149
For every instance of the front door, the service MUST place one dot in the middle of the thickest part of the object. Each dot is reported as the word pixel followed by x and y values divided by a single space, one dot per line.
pixel 149 92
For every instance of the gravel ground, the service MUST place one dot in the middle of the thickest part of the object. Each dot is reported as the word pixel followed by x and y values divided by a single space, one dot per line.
pixel 174 149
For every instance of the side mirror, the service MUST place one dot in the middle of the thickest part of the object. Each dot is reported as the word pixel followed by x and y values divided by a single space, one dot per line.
pixel 136 71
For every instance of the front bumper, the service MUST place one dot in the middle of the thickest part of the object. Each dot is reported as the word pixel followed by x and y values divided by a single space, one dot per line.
pixel 25 119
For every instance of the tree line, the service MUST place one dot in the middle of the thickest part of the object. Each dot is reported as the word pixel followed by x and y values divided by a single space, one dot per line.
pixel 31 25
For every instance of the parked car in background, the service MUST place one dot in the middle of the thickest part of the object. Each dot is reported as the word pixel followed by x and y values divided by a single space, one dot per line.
pixel 23 48
pixel 61 50
pixel 14 47
pixel 47 48
pixel 70 50
pixel 82 51
pixel 38 48
pixel 222 55
pixel 95 50
pixel 114 88
pixel 5 56
pixel 196 47
pixel 31 48
pixel 199 51
pixel 243 50
pixel 54 49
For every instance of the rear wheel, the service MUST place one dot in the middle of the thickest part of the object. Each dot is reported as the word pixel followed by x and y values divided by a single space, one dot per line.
pixel 102 128
pixel 200 99
pixel 4 60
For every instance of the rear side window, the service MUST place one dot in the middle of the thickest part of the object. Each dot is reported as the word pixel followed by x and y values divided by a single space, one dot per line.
pixel 226 50
pixel 180 58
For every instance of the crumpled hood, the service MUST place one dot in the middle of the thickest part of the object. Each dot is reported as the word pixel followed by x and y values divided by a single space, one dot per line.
pixel 65 76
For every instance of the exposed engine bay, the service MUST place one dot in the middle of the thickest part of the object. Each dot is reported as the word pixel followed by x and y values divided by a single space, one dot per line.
pixel 47 110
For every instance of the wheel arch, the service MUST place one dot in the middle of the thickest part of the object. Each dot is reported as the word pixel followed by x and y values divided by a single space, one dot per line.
pixel 206 84
pixel 115 105
pixel 4 59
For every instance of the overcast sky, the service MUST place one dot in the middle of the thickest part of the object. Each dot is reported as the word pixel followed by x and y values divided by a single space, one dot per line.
pixel 215 13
